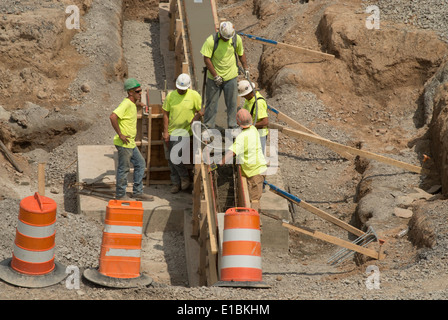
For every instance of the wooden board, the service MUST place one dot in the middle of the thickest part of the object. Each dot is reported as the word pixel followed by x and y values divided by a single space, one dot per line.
pixel 158 171
pixel 343 148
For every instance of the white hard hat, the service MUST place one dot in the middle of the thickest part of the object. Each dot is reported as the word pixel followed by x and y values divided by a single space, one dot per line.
pixel 226 29
pixel 244 88
pixel 183 81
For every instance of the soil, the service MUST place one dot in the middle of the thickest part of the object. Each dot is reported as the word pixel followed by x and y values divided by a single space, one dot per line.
pixel 58 87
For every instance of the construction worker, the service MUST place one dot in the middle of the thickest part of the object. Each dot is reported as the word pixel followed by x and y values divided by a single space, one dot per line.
pixel 220 53
pixel 124 122
pixel 180 108
pixel 252 102
pixel 247 149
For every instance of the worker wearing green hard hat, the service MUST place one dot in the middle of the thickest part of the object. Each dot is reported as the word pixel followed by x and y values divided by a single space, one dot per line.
pixel 130 83
pixel 124 122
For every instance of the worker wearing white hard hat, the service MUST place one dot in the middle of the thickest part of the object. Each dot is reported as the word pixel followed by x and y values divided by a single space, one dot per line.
pixel 183 81
pixel 221 52
pixel 256 104
pixel 227 30
pixel 180 108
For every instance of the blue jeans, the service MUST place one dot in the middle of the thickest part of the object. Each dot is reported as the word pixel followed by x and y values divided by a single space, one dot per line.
pixel 126 157
pixel 177 161
pixel 213 93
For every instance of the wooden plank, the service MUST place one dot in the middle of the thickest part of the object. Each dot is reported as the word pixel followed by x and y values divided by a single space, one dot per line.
pixel 289 121
pixel 185 68
pixel 185 42
pixel 209 209
pixel 342 148
pixel 296 125
pixel 178 49
pixel 286 46
pixel 215 14
pixel 196 199
pixel 158 164
pixel 334 240
pixel 202 243
pixel 324 215
pixel 41 178
pixel 211 270
pixel 192 251
pixel 243 193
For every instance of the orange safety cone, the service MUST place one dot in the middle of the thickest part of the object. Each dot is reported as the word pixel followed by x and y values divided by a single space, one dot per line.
pixel 119 263
pixel 241 249
pixel 32 264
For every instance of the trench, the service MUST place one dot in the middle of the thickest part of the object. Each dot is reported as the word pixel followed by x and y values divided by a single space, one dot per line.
pixel 163 251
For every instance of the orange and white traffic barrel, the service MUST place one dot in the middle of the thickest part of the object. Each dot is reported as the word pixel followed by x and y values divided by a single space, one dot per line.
pixel 33 260
pixel 241 249
pixel 120 256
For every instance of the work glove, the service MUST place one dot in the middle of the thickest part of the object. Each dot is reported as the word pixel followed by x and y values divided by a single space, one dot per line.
pixel 218 81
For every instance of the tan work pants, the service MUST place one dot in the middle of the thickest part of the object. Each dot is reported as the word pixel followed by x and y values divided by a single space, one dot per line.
pixel 255 186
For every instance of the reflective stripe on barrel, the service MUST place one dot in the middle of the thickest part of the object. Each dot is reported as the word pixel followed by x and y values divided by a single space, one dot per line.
pixel 241 254
pixel 122 238
pixel 33 252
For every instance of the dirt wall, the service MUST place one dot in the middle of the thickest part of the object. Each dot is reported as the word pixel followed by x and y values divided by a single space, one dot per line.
pixel 390 75
pixel 437 89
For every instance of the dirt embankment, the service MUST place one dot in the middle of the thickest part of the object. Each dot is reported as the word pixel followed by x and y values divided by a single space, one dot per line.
pixel 384 93
pixel 55 82
pixel 378 85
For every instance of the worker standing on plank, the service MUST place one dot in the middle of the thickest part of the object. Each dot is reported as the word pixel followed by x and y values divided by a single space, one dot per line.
pixel 124 122
pixel 255 103
pixel 221 52
pixel 247 149
pixel 180 108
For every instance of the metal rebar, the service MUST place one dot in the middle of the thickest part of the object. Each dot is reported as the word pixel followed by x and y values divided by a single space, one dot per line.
pixel 344 254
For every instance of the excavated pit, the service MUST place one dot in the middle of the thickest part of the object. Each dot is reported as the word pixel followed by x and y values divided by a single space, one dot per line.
pixel 388 90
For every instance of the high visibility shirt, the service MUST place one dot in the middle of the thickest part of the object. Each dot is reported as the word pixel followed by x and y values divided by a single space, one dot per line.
pixel 223 59
pixel 127 121
pixel 262 111
pixel 247 148
pixel 182 109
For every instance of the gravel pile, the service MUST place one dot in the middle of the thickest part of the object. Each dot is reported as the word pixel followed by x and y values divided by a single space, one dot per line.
pixel 424 14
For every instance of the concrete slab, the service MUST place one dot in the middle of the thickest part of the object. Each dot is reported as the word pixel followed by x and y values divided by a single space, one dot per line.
pixel 168 56
pixel 273 234
pixel 97 163
pixel 201 25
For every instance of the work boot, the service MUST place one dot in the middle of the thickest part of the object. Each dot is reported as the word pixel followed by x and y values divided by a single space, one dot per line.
pixel 185 183
pixel 175 188
pixel 142 197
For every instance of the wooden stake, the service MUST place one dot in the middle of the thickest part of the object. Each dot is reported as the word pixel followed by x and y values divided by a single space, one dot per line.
pixel 326 216
pixel 340 147
pixel 334 240
pixel 10 157
pixel 41 178
pixel 294 124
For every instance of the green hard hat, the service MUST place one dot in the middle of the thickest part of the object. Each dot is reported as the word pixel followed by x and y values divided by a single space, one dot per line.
pixel 131 83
